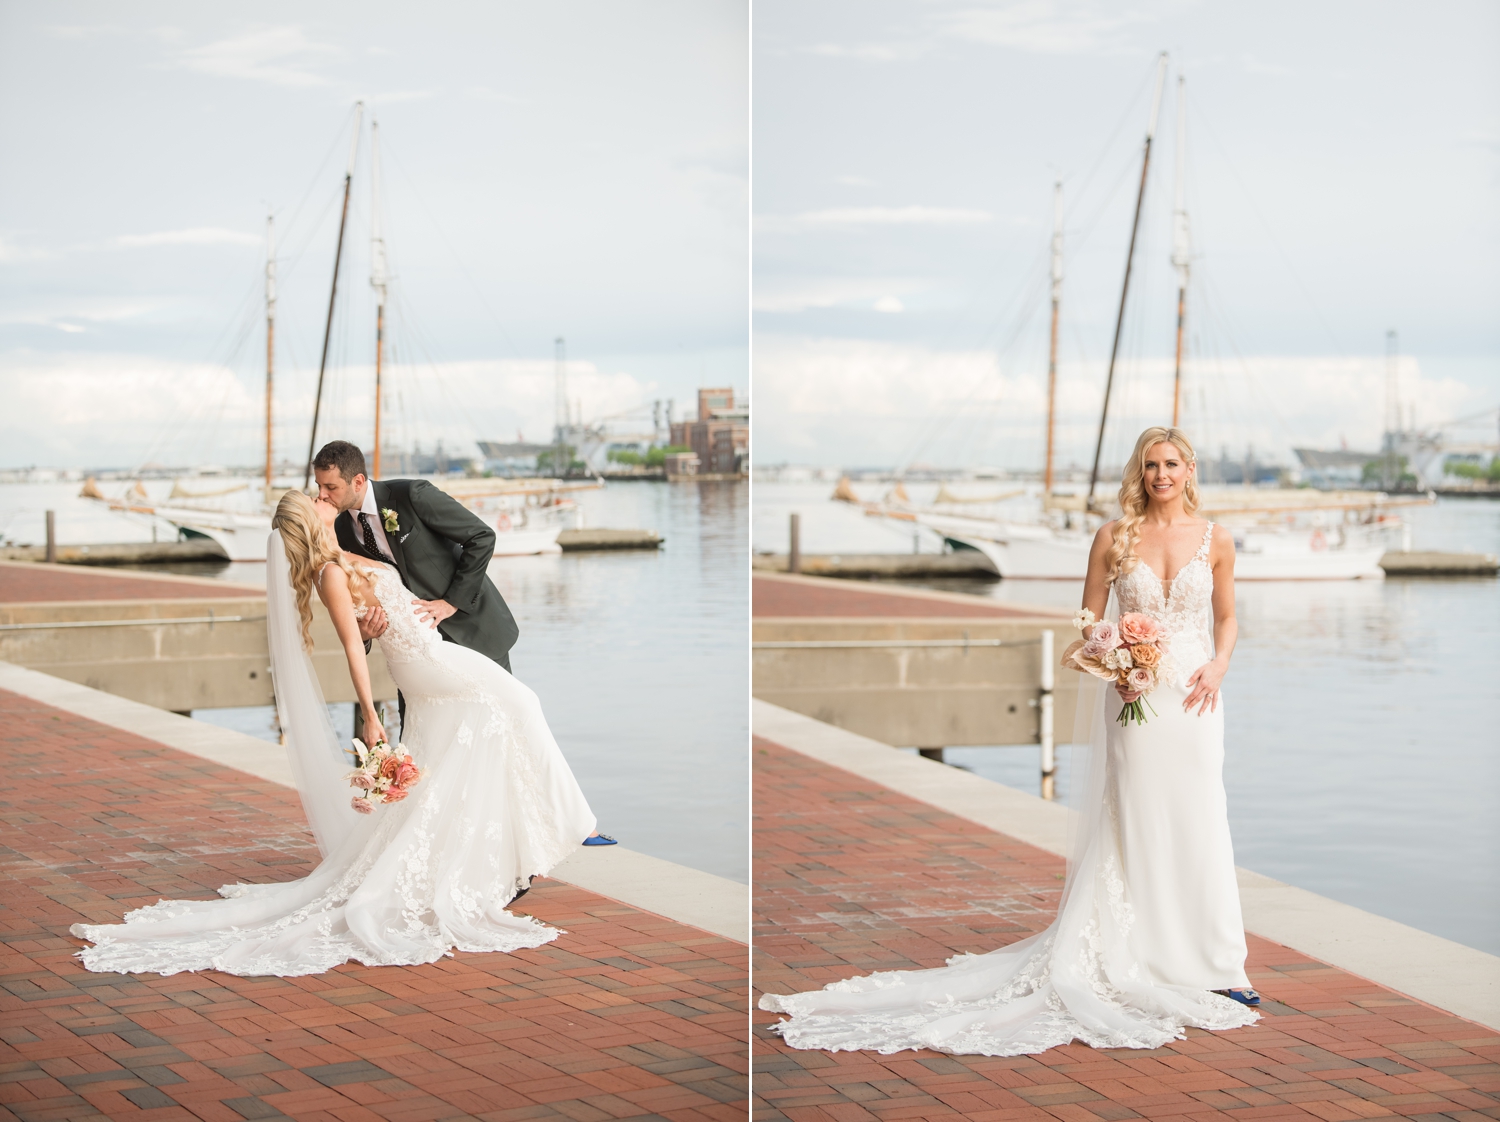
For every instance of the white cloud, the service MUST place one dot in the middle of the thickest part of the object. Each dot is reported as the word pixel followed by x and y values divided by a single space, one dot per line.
pixel 854 217
pixel 894 216
pixel 395 96
pixel 781 295
pixel 282 56
pixel 76 409
pixel 9 252
pixel 1043 27
pixel 867 52
pixel 197 235
pixel 833 401
pixel 888 304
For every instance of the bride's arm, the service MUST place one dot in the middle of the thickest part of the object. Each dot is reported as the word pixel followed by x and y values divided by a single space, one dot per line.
pixel 1204 683
pixel 333 590
pixel 1096 581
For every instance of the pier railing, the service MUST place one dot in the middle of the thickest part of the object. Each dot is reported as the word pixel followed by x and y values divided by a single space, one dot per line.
pixel 924 683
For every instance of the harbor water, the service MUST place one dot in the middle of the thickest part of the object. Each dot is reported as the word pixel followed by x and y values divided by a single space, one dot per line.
pixel 640 658
pixel 1363 717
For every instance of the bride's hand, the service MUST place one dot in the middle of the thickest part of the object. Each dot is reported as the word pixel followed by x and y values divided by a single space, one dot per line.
pixel 374 731
pixel 1203 688
pixel 1127 695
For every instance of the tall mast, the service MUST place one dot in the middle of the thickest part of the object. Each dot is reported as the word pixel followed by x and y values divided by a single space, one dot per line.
pixel 560 358
pixel 270 337
pixel 338 256
pixel 1114 351
pixel 1057 278
pixel 378 278
pixel 1181 242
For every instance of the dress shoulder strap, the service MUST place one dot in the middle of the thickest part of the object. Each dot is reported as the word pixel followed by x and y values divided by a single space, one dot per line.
pixel 1208 537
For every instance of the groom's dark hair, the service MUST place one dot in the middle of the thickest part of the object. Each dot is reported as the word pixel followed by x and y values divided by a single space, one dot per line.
pixel 342 455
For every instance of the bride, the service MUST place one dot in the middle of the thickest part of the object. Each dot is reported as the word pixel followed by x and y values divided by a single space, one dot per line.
pixel 1148 937
pixel 496 805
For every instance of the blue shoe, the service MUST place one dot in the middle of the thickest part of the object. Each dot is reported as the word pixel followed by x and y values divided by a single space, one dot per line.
pixel 600 839
pixel 1244 997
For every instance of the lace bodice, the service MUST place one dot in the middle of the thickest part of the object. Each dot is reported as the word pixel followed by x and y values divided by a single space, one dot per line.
pixel 1182 605
pixel 406 637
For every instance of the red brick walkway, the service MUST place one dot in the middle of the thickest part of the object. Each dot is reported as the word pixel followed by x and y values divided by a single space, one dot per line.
pixel 34 583
pixel 850 877
pixel 829 597
pixel 628 1016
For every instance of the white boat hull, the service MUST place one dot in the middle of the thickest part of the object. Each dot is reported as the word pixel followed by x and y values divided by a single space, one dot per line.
pixel 1028 552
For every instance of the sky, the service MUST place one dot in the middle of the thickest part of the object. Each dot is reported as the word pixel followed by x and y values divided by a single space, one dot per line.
pixel 575 169
pixel 1342 176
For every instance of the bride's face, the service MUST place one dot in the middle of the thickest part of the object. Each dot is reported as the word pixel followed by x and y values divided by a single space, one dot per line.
pixel 327 512
pixel 1167 472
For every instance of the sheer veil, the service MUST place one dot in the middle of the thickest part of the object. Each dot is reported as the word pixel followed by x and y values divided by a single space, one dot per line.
pixel 318 760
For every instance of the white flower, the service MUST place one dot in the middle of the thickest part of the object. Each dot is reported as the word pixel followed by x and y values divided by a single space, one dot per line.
pixel 1083 618
pixel 1119 659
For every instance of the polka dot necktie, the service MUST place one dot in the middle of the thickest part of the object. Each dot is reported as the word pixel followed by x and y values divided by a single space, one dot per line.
pixel 374 549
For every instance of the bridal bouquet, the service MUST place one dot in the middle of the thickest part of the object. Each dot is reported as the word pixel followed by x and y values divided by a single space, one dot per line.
pixel 1128 655
pixel 381 774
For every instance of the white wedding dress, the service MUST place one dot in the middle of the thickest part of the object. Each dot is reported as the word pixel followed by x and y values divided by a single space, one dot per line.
pixel 497 804
pixel 1149 922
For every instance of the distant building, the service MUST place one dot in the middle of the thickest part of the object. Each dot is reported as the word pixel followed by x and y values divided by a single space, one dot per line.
pixel 1333 467
pixel 512 458
pixel 719 436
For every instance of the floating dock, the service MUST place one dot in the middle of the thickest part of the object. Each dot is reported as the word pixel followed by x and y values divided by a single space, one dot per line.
pixel 964 563
pixel 577 541
pixel 1425 563
pixel 971 563
pixel 121 553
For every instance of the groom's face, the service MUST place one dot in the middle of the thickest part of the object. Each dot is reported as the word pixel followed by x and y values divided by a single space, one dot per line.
pixel 343 494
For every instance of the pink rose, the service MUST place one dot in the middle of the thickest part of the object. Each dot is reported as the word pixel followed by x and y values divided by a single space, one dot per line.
pixel 396 794
pixel 361 805
pixel 1140 680
pixel 1101 641
pixel 363 782
pixel 407 774
pixel 1138 628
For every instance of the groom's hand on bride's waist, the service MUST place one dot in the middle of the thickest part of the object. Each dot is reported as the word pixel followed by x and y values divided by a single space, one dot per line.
pixel 433 612
pixel 374 624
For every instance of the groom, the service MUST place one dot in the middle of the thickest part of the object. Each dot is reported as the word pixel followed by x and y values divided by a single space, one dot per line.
pixel 440 549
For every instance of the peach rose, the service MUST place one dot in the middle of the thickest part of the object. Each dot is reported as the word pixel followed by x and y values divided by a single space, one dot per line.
pixel 1138 628
pixel 407 774
pixel 396 794
pixel 1144 654
pixel 361 805
pixel 388 767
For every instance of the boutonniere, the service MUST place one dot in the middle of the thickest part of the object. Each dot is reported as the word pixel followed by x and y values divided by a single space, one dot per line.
pixel 388 516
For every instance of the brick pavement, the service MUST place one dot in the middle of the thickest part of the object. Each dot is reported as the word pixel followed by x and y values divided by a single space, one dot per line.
pixel 851 877
pixel 37 583
pixel 808 597
pixel 628 1016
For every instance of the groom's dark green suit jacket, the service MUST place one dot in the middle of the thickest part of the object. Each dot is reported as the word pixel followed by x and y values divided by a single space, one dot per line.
pixel 442 551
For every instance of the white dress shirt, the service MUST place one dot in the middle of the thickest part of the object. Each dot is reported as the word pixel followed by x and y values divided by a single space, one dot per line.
pixel 368 508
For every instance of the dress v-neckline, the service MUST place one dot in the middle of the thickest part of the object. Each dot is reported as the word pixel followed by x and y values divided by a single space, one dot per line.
pixel 1163 583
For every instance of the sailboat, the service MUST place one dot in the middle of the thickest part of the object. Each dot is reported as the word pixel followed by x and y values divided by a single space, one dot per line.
pixel 527 519
pixel 1293 536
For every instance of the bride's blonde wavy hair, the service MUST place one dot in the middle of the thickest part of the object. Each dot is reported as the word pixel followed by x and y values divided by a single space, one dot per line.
pixel 307 551
pixel 1121 557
